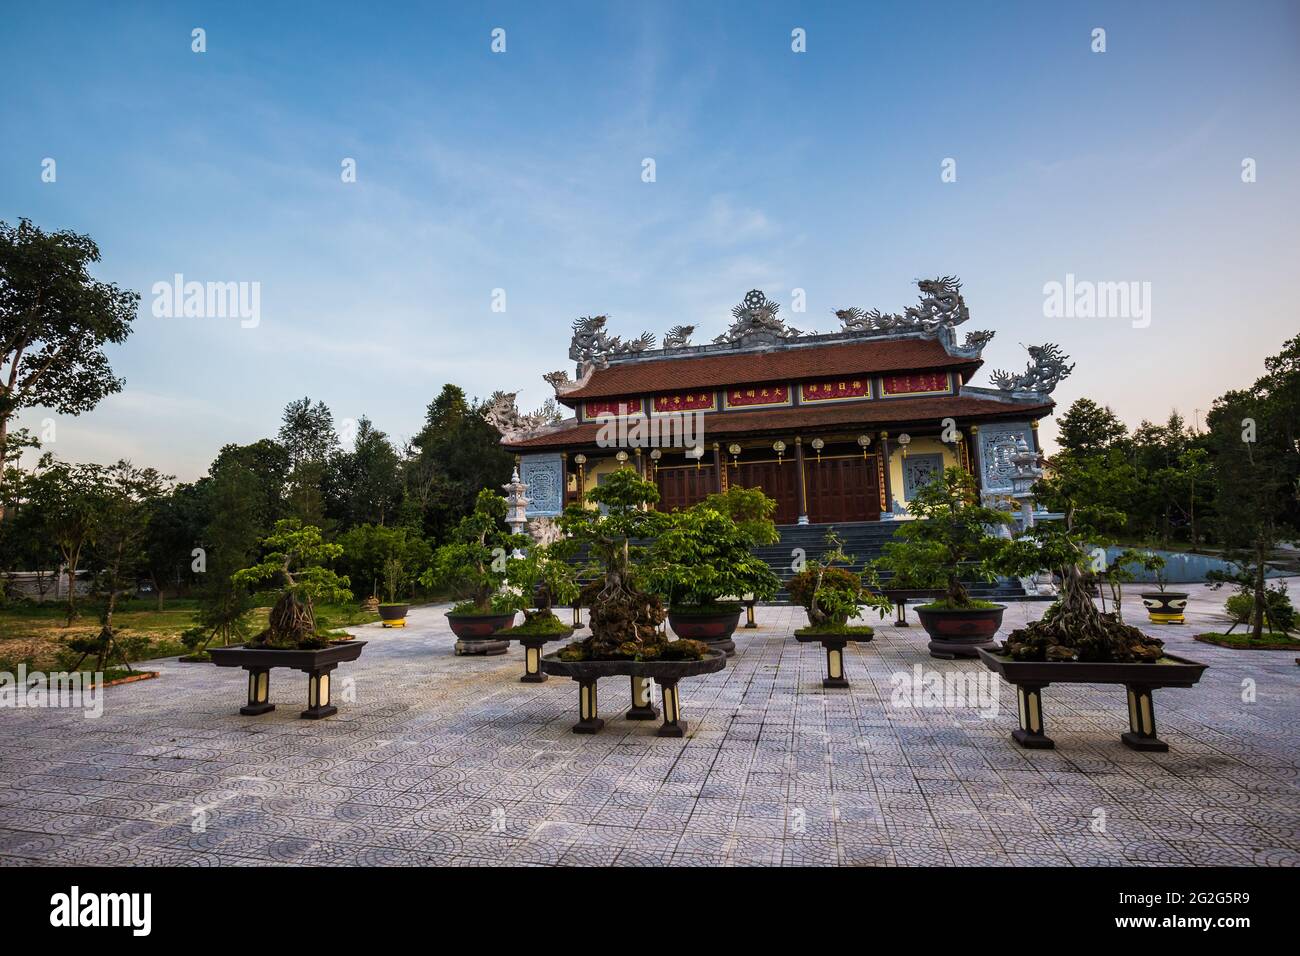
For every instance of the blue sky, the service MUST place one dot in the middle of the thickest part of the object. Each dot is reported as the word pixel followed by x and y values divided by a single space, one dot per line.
pixel 522 171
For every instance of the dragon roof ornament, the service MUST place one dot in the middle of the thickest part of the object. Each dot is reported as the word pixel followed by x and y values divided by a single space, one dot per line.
pixel 592 345
pixel 756 322
pixel 757 325
pixel 1042 374
pixel 503 414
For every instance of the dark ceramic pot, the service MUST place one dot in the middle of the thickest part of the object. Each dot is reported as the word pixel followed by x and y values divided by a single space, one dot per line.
pixel 960 633
pixel 1165 607
pixel 393 615
pixel 476 632
pixel 713 629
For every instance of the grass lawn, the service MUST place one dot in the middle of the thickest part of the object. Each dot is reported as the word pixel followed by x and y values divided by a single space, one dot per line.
pixel 35 633
pixel 1269 641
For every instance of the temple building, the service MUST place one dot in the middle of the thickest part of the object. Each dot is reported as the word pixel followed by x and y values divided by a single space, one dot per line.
pixel 839 427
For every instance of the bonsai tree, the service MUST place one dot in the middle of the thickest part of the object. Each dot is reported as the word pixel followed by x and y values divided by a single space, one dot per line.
pixel 1118 573
pixel 296 559
pixel 1242 607
pixel 473 564
pixel 625 619
pixel 950 539
pixel 1072 628
pixel 544 577
pixel 703 556
pixel 751 510
pixel 833 595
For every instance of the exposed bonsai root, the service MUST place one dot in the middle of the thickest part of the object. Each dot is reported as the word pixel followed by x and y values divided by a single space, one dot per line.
pixel 625 625
pixel 1072 632
pixel 292 624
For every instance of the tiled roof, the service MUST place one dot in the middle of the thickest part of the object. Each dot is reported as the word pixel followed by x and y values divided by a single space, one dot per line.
pixel 639 377
pixel 899 411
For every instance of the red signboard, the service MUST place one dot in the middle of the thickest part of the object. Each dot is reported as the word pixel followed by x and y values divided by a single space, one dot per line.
pixel 612 406
pixel 748 396
pixel 684 402
pixel 835 389
pixel 916 383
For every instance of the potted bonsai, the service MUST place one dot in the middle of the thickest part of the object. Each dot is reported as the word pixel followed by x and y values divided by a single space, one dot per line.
pixel 1075 642
pixel 753 512
pixel 472 565
pixel 625 618
pixel 296 559
pixel 1163 606
pixel 950 539
pixel 393 614
pixel 703 563
pixel 832 596
pixel 545 576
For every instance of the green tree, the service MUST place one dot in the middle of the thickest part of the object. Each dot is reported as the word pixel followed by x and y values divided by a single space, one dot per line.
pixel 454 455
pixel 296 558
pixel 364 485
pixel 69 499
pixel 1088 428
pixel 307 435
pixel 55 320
pixel 702 556
pixel 473 564
pixel 235 504
pixel 125 503
pixel 949 538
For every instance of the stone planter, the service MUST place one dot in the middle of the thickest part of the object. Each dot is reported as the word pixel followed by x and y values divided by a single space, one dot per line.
pixel 713 629
pixel 316 664
pixel 665 673
pixel 477 632
pixel 960 633
pixel 393 615
pixel 1140 680
pixel 1165 607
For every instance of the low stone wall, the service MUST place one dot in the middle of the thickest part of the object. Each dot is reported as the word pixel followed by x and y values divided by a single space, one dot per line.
pixel 1181 568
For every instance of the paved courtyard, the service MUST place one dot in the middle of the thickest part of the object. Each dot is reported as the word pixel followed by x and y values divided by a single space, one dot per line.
pixel 434 760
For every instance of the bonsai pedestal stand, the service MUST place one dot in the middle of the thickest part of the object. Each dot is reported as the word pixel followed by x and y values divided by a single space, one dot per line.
pixel 642 706
pixel 318 692
pixel 532 645
pixel 317 664
pixel 834 644
pixel 1139 680
pixel 665 673
pixel 533 660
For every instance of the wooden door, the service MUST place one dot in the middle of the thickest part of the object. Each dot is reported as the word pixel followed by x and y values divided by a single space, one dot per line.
pixel 778 481
pixel 842 489
pixel 681 486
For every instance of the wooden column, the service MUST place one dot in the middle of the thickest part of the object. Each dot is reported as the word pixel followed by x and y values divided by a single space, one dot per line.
pixel 717 469
pixel 885 465
pixel 803 491
pixel 974 441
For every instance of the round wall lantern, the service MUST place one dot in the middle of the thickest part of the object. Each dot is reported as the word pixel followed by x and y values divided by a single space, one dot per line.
pixel 778 446
pixel 818 445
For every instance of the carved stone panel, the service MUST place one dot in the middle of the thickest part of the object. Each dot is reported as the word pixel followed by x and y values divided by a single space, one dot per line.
pixel 998 445
pixel 544 476
pixel 918 471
